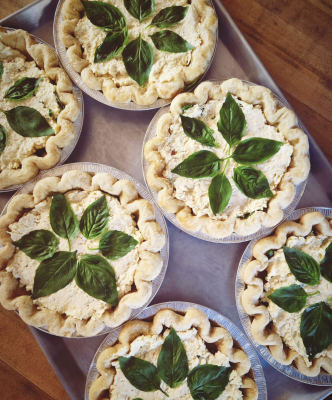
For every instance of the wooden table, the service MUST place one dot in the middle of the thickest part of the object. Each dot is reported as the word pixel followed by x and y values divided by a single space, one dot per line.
pixel 294 41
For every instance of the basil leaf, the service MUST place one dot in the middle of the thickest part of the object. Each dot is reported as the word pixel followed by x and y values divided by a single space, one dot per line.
pixel 192 85
pixel 95 219
pixel 169 16
pixel 1 69
pixel 290 298
pixel 3 138
pixel 39 244
pixel 105 16
pixel 138 60
pixel 54 274
pixel 198 130
pixel 232 122
pixel 97 278
pixel 207 382
pixel 255 150
pixel 269 254
pixel 170 42
pixel 173 361
pixel 111 46
pixel 326 264
pixel 316 328
pixel 57 98
pixel 28 122
pixel 202 164
pixel 187 107
pixel 252 183
pixel 50 112
pixel 220 191
pixel 138 398
pixel 140 9
pixel 23 89
pixel 302 266
pixel 116 244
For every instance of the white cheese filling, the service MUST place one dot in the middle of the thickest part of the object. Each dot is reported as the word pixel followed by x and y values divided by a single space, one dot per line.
pixel 72 300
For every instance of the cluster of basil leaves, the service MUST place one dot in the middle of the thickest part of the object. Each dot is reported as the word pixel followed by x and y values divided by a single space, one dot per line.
pixel 57 269
pixel 204 164
pixel 205 382
pixel 316 320
pixel 137 55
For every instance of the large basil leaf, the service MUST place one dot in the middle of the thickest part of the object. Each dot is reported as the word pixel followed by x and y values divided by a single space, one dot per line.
pixel 252 183
pixel 57 98
pixel 198 130
pixel 290 298
pixel 202 164
pixel 39 244
pixel 3 138
pixel 169 16
pixel 140 9
pixel 95 219
pixel 54 274
pixel 111 46
pixel 22 89
pixel 138 60
pixel 97 278
pixel 303 267
pixel 28 122
pixel 105 16
pixel 220 192
pixel 1 69
pixel 116 244
pixel 170 42
pixel 326 264
pixel 316 328
pixel 207 382
pixel 232 122
pixel 173 361
pixel 255 150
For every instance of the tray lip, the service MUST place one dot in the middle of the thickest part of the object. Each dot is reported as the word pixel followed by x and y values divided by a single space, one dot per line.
pixel 183 306
pixel 288 370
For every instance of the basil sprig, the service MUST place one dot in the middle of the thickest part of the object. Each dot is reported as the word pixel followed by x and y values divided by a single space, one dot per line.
pixel 22 89
pixel 198 130
pixel 252 182
pixel 116 244
pixel 3 138
pixel 113 44
pixel 220 192
pixel 170 42
pixel 39 244
pixel 95 219
pixel 255 151
pixel 169 16
pixel 1 69
pixel 105 16
pixel 202 164
pixel 57 98
pixel 140 9
pixel 326 264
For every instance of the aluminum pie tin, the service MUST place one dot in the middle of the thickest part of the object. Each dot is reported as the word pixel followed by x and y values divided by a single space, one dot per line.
pixel 78 123
pixel 93 168
pixel 323 379
pixel 241 341
pixel 234 237
pixel 97 94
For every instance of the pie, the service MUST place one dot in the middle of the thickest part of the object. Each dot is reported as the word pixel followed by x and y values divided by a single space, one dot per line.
pixel 23 153
pixel 77 302
pixel 196 127
pixel 202 343
pixel 168 70
pixel 284 332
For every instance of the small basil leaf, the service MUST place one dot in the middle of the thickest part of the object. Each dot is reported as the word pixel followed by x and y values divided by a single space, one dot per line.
pixel 50 112
pixel 39 244
pixel 202 164
pixel 173 361
pixel 138 60
pixel 138 398
pixel 1 69
pixel 105 16
pixel 220 191
pixel 140 9
pixel 22 89
pixel 116 244
pixel 97 278
pixel 316 328
pixel 252 183
pixel 28 122
pixel 169 16
pixel 290 298
pixel 326 264
pixel 198 130
pixel 54 274
pixel 192 85
pixel 94 221
pixel 57 98
pixel 207 382
pixel 255 150
pixel 3 138
pixel 187 107
pixel 170 42
pixel 111 46
pixel 232 122
pixel 269 254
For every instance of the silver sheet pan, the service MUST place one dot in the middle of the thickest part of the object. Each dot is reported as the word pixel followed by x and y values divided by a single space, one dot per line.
pixel 198 272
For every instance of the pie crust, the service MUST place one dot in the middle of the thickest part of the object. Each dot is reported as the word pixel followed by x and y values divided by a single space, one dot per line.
pixel 261 318
pixel 193 318
pixel 282 118
pixel 12 297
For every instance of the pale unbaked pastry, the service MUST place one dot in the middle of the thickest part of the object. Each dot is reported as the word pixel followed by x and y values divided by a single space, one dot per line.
pixel 70 311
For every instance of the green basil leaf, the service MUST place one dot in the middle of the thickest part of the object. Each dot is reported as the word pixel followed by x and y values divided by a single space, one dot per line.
pixel 28 122
pixel 57 98
pixel 192 85
pixel 138 60
pixel 111 46
pixel 252 183
pixel 316 328
pixel 97 278
pixel 3 138
pixel 22 89
pixel 54 274
pixel 232 122
pixel 290 298
pixel 50 112
pixel 169 16
pixel 173 361
pixel 198 130
pixel 202 164
pixel 220 191
pixel 116 244
pixel 187 107
pixel 140 9
pixel 105 16
pixel 1 69
pixel 95 219
pixel 326 264
pixel 207 382
pixel 302 266
pixel 269 254
pixel 39 244
pixel 170 42
pixel 255 150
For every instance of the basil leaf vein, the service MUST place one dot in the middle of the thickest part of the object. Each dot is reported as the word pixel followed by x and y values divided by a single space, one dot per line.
pixel 95 219
pixel 290 298
pixel 3 138
pixel 140 9
pixel 22 89
pixel 169 16
pixel 220 192
pixel 112 45
pixel 116 244
pixel 105 16
pixel 170 42
pixel 326 264
pixel 39 244
pixel 198 130
pixel 252 183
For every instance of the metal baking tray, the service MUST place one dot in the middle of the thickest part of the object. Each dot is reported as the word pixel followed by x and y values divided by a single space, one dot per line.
pixel 198 271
